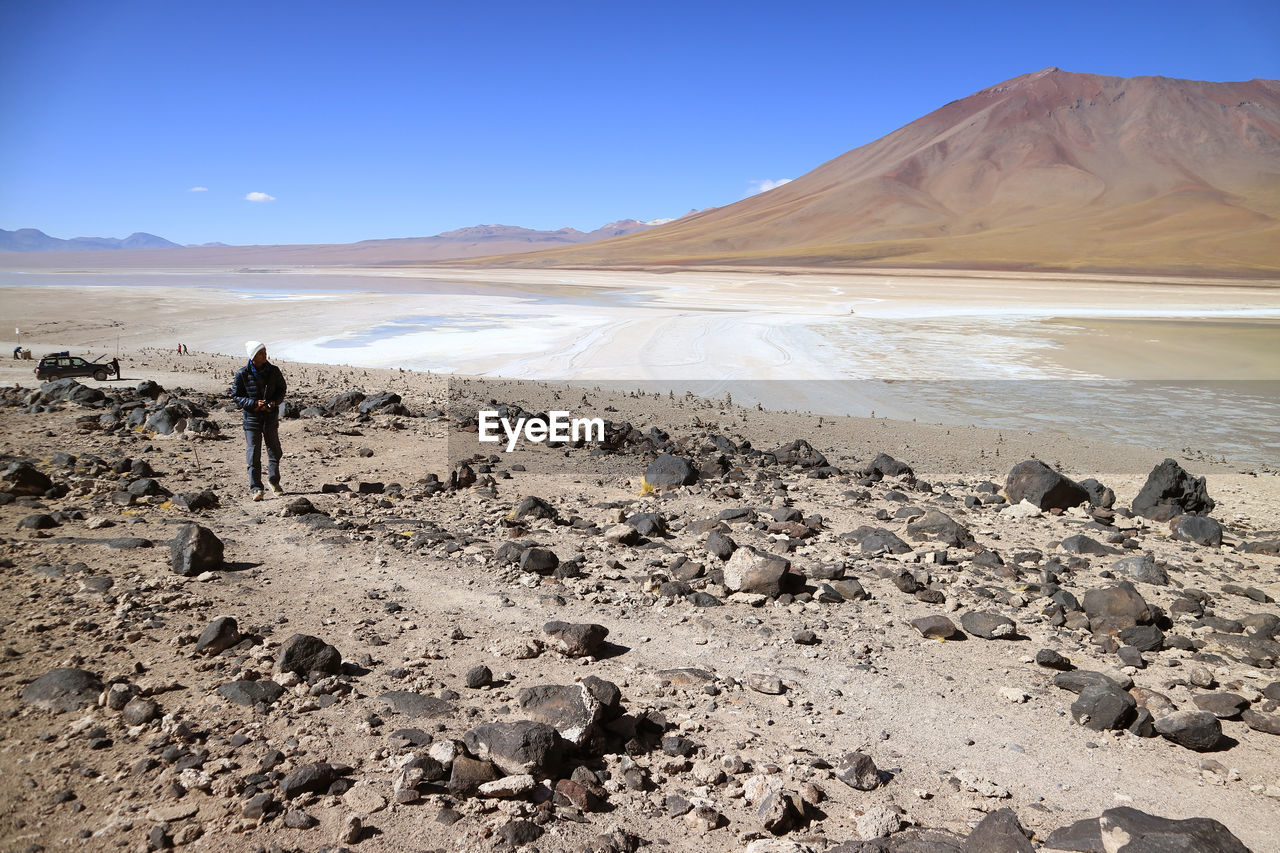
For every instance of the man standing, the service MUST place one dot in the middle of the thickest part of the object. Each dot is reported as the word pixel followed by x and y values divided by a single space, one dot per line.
pixel 115 367
pixel 258 391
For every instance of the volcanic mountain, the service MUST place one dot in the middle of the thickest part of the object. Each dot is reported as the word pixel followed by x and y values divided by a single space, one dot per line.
pixel 1051 170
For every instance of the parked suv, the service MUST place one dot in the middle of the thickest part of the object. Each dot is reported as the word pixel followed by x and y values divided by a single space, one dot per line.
pixel 56 365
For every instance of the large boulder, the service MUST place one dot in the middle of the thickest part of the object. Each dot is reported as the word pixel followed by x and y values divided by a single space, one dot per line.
pixel 516 747
pixel 875 541
pixel 195 550
pixel 883 466
pixel 1128 830
pixel 800 453
pixel 218 636
pixel 1142 568
pixel 1197 730
pixel 23 479
pixel 304 655
pixel 749 570
pixel 999 832
pixel 1037 483
pixel 345 402
pixel 63 689
pixel 575 639
pixel 571 708
pixel 1170 491
pixel 1111 609
pixel 383 403
pixel 669 472
pixel 1199 529
pixel 936 526
pixel 1101 707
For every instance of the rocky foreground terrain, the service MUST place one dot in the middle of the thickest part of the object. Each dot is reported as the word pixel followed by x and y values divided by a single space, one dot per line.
pixel 714 632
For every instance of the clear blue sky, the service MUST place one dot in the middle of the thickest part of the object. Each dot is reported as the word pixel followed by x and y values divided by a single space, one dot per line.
pixel 397 119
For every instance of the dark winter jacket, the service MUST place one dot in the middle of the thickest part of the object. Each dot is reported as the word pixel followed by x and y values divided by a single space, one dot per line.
pixel 258 383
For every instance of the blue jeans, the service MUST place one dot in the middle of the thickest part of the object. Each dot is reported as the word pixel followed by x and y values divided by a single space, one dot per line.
pixel 253 438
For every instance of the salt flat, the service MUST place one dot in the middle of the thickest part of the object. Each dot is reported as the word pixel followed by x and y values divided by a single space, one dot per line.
pixel 840 343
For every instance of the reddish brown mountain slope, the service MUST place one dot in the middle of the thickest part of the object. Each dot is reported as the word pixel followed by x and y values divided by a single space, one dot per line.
pixel 1049 170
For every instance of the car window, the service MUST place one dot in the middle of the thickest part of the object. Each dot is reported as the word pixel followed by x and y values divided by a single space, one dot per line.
pixel 64 362
pixel 79 362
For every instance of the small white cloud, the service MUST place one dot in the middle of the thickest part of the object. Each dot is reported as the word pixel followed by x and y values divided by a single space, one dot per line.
pixel 259 197
pixel 198 190
pixel 765 185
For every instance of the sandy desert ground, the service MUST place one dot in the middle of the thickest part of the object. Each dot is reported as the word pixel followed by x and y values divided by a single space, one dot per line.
pixel 959 729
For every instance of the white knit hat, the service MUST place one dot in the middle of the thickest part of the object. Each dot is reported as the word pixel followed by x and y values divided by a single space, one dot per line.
pixel 252 347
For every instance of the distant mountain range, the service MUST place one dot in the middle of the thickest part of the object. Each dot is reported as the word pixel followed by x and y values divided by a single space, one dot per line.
pixel 460 243
pixel 1052 170
pixel 32 240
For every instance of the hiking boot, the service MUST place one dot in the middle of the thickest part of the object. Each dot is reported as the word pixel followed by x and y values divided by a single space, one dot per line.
pixel 276 490
pixel 255 495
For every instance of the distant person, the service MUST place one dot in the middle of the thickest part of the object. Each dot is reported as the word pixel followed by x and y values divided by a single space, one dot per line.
pixel 115 367
pixel 185 351
pixel 17 352
pixel 258 391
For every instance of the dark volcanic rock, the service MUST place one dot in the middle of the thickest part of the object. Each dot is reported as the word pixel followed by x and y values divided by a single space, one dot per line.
pixel 1076 680
pixel 1145 833
pixel 540 561
pixel 1199 529
pixel 1099 495
pixel 533 507
pixel 1261 721
pixel 38 521
pixel 720 545
pixel 1145 638
pixel 885 465
pixel 63 689
pixel 139 711
pixel 251 692
pixel 1085 546
pixel 1037 483
pixel 1053 660
pixel 1170 491
pixel 311 779
pixel 1198 730
pixel 195 550
pixel 24 479
pixel 1224 706
pixel 467 774
pixel 647 523
pixel 1113 608
pixel 575 639
pixel 1101 707
pixel 876 540
pixel 935 526
pixel 667 472
pixel 1141 568
pixel 521 746
pixel 857 770
pixel 934 627
pixel 571 708
pixel 305 654
pixel 218 636
pixel 989 626
pixel 999 832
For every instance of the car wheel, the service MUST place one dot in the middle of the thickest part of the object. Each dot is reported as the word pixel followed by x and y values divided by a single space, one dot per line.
pixel 100 375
